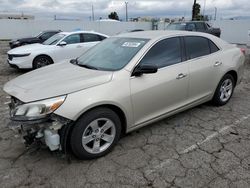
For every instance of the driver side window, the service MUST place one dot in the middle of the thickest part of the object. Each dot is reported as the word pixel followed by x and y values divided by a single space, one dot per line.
pixel 164 53
pixel 73 39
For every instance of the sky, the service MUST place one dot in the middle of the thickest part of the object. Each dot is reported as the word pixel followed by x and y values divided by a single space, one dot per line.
pixel 81 9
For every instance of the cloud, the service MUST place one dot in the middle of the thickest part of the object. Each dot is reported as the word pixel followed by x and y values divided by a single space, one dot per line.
pixel 157 8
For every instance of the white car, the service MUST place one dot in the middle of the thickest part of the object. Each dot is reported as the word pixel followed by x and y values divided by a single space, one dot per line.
pixel 62 46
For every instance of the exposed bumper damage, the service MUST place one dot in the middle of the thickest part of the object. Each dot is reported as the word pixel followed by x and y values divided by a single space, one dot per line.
pixel 51 131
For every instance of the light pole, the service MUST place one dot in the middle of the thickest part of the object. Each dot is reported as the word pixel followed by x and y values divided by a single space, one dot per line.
pixel 215 12
pixel 204 8
pixel 126 4
pixel 93 15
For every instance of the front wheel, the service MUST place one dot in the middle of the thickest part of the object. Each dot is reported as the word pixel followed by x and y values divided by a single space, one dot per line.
pixel 41 61
pixel 95 133
pixel 224 90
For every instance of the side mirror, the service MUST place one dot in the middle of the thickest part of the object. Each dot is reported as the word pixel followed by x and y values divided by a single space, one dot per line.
pixel 73 61
pixel 63 43
pixel 145 69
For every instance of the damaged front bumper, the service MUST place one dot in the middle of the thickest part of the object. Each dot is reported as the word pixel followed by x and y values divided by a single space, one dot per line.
pixel 44 127
pixel 49 131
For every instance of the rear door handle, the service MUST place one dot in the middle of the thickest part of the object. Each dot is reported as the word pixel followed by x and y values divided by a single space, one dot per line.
pixel 79 46
pixel 180 76
pixel 218 63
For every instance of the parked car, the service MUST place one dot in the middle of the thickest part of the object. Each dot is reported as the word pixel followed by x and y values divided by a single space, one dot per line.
pixel 40 38
pixel 199 26
pixel 122 84
pixel 62 46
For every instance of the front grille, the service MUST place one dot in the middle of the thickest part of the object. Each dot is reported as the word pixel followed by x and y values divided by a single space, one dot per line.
pixel 10 57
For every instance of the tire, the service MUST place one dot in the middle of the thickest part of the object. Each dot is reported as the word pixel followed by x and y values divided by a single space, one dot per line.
pixel 91 131
pixel 41 61
pixel 224 90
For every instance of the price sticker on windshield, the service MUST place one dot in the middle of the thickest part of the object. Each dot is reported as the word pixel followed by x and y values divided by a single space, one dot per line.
pixel 131 44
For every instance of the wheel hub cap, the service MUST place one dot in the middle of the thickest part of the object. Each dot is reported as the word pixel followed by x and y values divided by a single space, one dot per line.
pixel 226 90
pixel 99 135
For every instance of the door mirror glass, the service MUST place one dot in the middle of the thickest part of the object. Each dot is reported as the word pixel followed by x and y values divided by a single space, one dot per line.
pixel 145 69
pixel 73 61
pixel 63 43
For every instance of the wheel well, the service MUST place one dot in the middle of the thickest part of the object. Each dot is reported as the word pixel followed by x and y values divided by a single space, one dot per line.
pixel 118 111
pixel 234 75
pixel 45 56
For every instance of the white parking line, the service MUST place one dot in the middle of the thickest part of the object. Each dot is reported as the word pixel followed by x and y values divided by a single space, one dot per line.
pixel 196 145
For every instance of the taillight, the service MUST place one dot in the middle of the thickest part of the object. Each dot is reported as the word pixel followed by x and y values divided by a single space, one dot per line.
pixel 243 51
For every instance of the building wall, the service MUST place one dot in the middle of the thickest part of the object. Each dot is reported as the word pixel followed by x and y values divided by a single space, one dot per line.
pixel 20 28
pixel 233 31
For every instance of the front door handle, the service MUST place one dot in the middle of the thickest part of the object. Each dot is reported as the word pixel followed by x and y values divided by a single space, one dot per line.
pixel 180 76
pixel 218 63
pixel 79 46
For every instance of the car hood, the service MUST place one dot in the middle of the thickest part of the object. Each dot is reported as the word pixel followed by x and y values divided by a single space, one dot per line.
pixel 28 48
pixel 55 80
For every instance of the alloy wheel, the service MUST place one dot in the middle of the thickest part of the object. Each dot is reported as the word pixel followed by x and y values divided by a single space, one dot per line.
pixel 98 135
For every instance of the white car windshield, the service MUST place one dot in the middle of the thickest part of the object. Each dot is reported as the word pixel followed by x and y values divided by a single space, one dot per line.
pixel 54 39
pixel 112 54
pixel 39 34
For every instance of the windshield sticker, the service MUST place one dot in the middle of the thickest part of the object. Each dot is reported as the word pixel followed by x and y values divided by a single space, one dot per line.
pixel 131 44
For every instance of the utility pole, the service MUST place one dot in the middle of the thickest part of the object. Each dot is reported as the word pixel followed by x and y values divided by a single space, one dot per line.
pixel 204 8
pixel 215 12
pixel 93 15
pixel 126 4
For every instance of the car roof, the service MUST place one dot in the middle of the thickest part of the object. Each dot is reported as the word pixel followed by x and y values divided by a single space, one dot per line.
pixel 76 32
pixel 159 34
pixel 51 31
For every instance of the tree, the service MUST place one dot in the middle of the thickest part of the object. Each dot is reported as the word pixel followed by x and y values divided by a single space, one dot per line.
pixel 196 11
pixel 113 16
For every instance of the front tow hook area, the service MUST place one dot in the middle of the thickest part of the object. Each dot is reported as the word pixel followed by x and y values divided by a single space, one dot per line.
pixel 49 133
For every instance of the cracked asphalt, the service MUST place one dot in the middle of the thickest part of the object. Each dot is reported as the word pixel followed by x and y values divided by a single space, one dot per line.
pixel 205 146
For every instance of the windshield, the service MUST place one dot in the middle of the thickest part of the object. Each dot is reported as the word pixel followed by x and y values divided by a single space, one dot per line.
pixel 54 39
pixel 176 26
pixel 112 54
pixel 38 35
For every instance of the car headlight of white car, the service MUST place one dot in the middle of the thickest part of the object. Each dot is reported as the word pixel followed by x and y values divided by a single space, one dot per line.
pixel 35 110
pixel 21 55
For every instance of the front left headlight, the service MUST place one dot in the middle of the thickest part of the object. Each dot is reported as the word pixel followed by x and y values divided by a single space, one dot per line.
pixel 36 110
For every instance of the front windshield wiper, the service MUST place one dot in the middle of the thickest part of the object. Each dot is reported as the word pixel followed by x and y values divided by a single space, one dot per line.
pixel 75 62
pixel 87 66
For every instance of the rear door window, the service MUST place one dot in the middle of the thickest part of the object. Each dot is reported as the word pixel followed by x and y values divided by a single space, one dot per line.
pixel 213 47
pixel 196 46
pixel 73 39
pixel 89 37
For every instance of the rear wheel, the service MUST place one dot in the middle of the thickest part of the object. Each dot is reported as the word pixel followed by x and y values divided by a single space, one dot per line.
pixel 41 61
pixel 95 133
pixel 224 90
